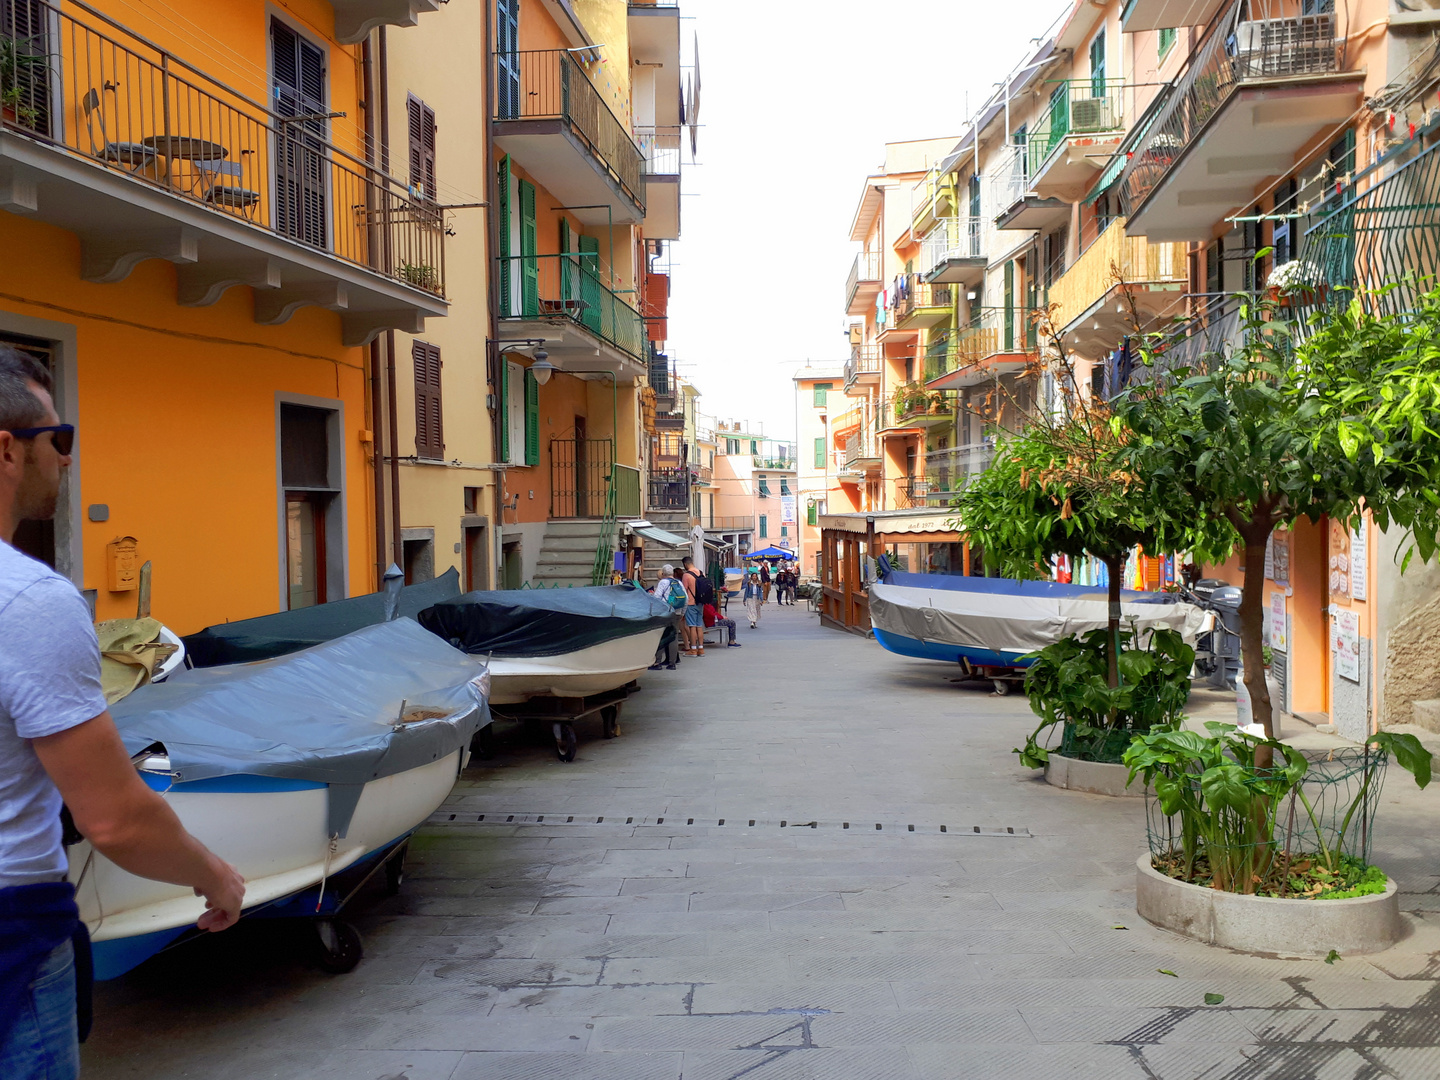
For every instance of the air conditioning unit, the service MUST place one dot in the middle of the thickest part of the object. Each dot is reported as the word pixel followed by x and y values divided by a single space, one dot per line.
pixel 1091 114
pixel 1294 46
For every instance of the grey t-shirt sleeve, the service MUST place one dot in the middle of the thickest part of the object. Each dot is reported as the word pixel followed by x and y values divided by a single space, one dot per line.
pixel 50 663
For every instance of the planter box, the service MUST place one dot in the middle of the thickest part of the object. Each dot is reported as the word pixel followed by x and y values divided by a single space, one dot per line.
pixel 1096 777
pixel 1365 924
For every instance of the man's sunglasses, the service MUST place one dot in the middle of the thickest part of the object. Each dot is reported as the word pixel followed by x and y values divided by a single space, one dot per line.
pixel 63 436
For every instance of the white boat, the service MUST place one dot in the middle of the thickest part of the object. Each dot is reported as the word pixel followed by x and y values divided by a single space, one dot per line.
pixel 570 643
pixel 995 622
pixel 292 770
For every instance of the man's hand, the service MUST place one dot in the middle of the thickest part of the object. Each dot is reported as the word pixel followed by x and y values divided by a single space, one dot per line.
pixel 223 897
pixel 131 825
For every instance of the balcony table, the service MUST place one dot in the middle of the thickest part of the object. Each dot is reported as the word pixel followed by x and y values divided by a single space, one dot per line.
pixel 183 148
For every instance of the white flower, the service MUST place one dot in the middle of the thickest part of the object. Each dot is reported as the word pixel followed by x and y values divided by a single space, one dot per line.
pixel 1295 274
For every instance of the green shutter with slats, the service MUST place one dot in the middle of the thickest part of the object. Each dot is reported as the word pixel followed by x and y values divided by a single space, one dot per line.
pixel 820 452
pixel 591 315
pixel 567 283
pixel 532 418
pixel 504 245
pixel 504 409
pixel 764 526
pixel 530 267
pixel 812 514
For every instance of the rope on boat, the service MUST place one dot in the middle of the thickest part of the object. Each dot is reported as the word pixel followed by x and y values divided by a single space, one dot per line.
pixel 325 872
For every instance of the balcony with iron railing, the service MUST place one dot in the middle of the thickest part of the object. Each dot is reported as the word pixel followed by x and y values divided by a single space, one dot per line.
pixel 860 452
pixel 863 283
pixel 1255 94
pixel 933 197
pixel 913 406
pixel 567 293
pixel 660 148
pixel 948 471
pixel 145 155
pixel 951 253
pixel 920 304
pixel 1094 308
pixel 997 341
pixel 911 493
pixel 727 523
pixel 1015 203
pixel 1073 140
pixel 863 367
pixel 550 117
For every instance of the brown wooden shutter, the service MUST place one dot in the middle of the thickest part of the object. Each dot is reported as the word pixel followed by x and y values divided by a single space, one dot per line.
pixel 422 147
pixel 429 427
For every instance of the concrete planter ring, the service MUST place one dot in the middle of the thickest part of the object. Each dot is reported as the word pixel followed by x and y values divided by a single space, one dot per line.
pixel 1363 924
pixel 1096 777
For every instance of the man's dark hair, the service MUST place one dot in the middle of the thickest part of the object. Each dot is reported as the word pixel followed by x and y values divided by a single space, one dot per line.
pixel 19 407
pixel 687 562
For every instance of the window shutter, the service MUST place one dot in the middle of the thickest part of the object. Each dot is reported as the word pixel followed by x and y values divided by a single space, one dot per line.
pixel 504 249
pixel 530 267
pixel 504 454
pixel 820 452
pixel 429 413
pixel 427 147
pixel 422 147
pixel 764 526
pixel 812 514
pixel 532 418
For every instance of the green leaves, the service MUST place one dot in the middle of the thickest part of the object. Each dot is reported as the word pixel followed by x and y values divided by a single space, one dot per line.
pixel 1214 999
pixel 1225 787
pixel 1407 752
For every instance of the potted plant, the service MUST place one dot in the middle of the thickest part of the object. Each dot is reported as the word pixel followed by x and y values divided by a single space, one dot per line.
pixel 18 76
pixel 422 276
pixel 1244 825
pixel 1295 280
pixel 1068 687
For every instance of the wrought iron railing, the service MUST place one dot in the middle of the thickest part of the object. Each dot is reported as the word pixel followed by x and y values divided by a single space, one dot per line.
pixel 860 446
pixel 728 523
pixel 1077 107
pixel 992 332
pixel 866 267
pixel 917 294
pixel 549 84
pixel 659 150
pixel 864 360
pixel 952 238
pixel 913 402
pixel 569 287
pixel 669 488
pixel 86 85
pixel 580 472
pixel 1235 52
pixel 948 471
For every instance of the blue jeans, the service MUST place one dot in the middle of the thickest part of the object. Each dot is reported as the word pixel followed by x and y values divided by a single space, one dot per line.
pixel 42 1043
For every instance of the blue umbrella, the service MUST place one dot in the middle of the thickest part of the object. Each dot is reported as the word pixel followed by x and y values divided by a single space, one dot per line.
pixel 771 553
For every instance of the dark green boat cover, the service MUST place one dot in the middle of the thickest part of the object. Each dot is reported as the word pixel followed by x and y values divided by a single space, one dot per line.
pixel 268 636
pixel 544 622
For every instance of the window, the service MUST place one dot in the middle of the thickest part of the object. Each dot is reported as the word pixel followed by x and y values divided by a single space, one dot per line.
pixel 507 55
pixel 422 148
pixel 784 530
pixel 784 486
pixel 1097 65
pixel 298 79
pixel 812 515
pixel 429 414
pixel 309 475
pixel 1167 42
pixel 820 452
pixel 821 393
pixel 520 408
pixel 764 486
pixel 764 526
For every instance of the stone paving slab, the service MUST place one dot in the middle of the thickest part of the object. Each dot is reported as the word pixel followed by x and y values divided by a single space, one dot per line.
pixel 688 950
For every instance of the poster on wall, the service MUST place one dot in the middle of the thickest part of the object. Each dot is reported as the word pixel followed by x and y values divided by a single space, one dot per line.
pixel 787 509
pixel 1359 563
pixel 1347 645
pixel 1339 561
pixel 1277 621
pixel 1277 557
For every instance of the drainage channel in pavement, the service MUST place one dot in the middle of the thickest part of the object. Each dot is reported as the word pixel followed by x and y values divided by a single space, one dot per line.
pixel 621 821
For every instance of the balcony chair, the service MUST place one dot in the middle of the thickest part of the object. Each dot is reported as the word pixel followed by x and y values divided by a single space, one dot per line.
pixel 133 156
pixel 220 186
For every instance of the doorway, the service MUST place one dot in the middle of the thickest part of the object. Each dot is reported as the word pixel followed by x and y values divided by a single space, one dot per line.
pixel 511 572
pixel 305 548
pixel 475 560
pixel 582 470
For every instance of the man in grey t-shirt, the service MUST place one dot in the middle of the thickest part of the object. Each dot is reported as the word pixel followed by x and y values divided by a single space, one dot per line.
pixel 57 742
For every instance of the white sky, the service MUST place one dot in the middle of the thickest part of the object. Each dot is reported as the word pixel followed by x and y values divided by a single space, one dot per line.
pixel 798 98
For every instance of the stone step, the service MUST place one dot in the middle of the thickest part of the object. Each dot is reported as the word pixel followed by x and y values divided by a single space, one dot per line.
pixel 1427 714
pixel 580 527
pixel 570 543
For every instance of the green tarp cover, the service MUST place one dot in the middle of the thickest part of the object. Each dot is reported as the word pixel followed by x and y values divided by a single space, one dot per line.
pixel 276 635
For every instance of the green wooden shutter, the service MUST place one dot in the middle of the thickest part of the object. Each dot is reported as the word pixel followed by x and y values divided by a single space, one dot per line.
pixel 812 514
pixel 532 418
pixel 764 526
pixel 1167 39
pixel 567 283
pixel 590 282
pixel 1097 65
pixel 504 245
pixel 820 452
pixel 1010 305
pixel 504 409
pixel 822 394
pixel 530 268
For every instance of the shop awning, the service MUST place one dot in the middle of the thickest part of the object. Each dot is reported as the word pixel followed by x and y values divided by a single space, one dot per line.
pixel 660 536
pixel 901 526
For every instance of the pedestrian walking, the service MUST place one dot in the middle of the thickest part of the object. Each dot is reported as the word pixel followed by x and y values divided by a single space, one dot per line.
pixel 58 745
pixel 752 595
pixel 764 582
pixel 673 594
pixel 714 618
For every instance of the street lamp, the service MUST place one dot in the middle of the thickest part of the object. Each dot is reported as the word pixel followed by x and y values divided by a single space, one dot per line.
pixel 542 369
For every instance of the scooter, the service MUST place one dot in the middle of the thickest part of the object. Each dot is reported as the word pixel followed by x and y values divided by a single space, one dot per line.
pixel 1217 651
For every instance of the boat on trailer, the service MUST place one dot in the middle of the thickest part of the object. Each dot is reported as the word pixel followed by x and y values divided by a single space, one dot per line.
pixel 990 625
pixel 298 771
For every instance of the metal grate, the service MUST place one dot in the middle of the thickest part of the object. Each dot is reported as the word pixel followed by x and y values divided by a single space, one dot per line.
pixel 678 821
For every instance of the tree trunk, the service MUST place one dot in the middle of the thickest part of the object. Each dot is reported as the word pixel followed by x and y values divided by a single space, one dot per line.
pixel 1252 634
pixel 1114 567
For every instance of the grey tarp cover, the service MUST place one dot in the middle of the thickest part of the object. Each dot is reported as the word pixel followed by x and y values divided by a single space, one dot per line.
pixel 544 622
pixel 1009 623
pixel 328 714
pixel 268 636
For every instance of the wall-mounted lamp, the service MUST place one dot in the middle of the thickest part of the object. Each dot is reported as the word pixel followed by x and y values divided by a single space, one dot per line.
pixel 542 369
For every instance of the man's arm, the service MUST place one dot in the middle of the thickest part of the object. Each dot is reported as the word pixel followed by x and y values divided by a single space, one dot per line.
pixel 131 825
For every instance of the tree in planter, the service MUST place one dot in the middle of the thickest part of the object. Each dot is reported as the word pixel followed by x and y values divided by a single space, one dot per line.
pixel 1063 485
pixel 1341 420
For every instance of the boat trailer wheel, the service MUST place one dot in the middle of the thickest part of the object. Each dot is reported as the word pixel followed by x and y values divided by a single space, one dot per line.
pixel 565 741
pixel 1002 686
pixel 610 721
pixel 395 870
pixel 337 946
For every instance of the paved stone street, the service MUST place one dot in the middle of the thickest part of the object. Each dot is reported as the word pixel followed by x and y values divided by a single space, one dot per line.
pixel 722 921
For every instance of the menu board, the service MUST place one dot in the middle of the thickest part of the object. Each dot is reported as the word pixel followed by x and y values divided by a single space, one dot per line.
pixel 1278 640
pixel 1277 557
pixel 1347 644
pixel 1359 563
pixel 1339 561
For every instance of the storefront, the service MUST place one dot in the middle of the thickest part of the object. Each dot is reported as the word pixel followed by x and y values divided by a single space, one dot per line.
pixel 849 544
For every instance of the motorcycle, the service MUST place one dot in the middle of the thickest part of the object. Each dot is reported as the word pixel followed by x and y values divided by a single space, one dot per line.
pixel 1217 650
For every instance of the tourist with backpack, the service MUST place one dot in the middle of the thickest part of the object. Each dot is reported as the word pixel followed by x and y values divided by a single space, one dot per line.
pixel 670 591
pixel 691 578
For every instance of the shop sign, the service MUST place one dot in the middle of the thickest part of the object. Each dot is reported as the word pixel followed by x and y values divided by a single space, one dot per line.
pixel 1277 621
pixel 1347 644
